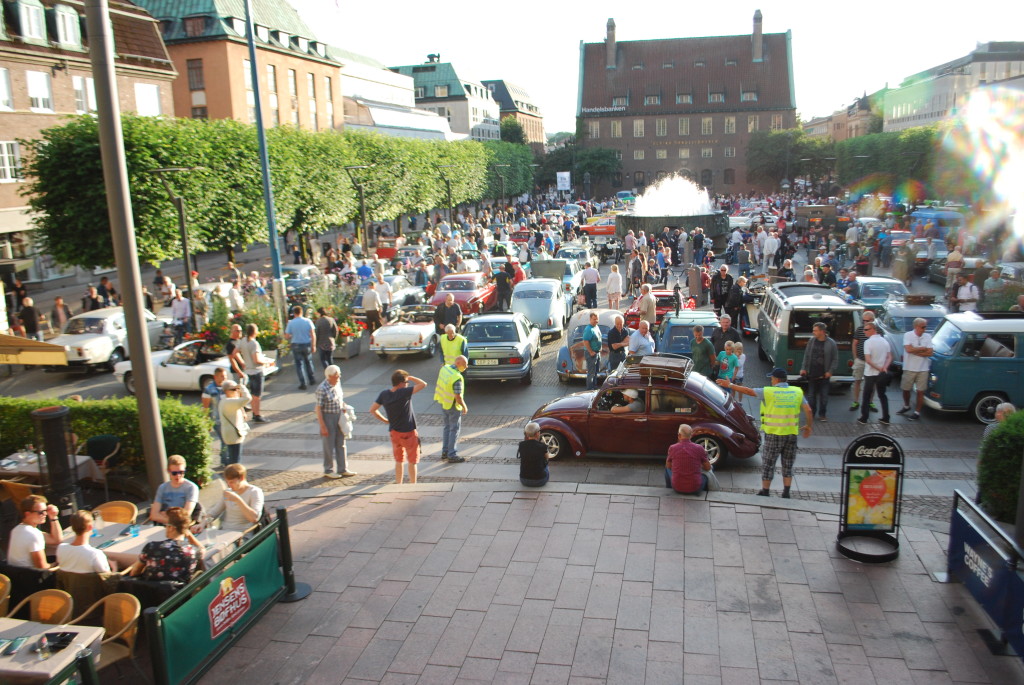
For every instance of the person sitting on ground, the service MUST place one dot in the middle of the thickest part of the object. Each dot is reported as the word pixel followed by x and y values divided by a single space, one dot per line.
pixel 687 464
pixel 78 556
pixel 533 458
pixel 242 505
pixel 27 545
pixel 173 559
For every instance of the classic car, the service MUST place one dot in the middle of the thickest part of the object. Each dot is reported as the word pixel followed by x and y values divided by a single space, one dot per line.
pixel 502 346
pixel 412 332
pixel 568 271
pixel 299 277
pixel 403 294
pixel 581 252
pixel 186 367
pixel 921 254
pixel 665 302
pixel 413 254
pixel 875 290
pixel 473 292
pixel 676 333
pixel 896 317
pixel 571 361
pixel 937 270
pixel 100 338
pixel 599 225
pixel 582 424
pixel 542 301
pixel 499 263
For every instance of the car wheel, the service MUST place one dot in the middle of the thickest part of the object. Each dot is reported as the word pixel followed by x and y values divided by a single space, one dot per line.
pixel 713 446
pixel 761 353
pixel 115 357
pixel 556 444
pixel 382 355
pixel 536 352
pixel 432 348
pixel 129 383
pixel 528 378
pixel 984 407
pixel 204 381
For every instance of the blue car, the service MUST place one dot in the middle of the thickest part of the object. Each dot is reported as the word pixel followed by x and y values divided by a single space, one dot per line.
pixel 676 333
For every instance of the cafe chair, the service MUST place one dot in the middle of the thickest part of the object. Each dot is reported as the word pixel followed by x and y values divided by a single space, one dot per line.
pixel 86 588
pixel 105 450
pixel 47 606
pixel 5 594
pixel 25 581
pixel 118 511
pixel 121 613
pixel 17 491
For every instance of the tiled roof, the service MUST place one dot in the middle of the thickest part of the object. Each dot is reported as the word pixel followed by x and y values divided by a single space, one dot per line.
pixel 276 15
pixel 695 66
pixel 347 57
pixel 434 74
pixel 508 94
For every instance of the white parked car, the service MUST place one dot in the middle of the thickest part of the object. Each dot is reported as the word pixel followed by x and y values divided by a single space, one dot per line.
pixel 186 367
pixel 543 302
pixel 413 332
pixel 100 338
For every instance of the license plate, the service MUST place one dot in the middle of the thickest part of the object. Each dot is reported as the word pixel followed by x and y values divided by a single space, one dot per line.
pixel 486 362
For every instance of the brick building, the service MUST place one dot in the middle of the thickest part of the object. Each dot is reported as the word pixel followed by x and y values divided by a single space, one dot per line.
pixel 45 76
pixel 515 102
pixel 684 105
pixel 299 81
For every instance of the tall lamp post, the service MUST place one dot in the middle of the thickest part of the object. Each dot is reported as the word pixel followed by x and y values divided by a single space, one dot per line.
pixel 448 187
pixel 501 179
pixel 358 185
pixel 586 185
pixel 179 204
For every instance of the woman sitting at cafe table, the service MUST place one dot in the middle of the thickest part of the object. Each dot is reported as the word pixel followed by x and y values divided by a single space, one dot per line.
pixel 175 558
pixel 177 492
pixel 242 504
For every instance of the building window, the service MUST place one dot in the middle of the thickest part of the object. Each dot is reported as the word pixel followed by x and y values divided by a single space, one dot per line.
pixel 661 127
pixel 684 126
pixel 716 97
pixel 638 128
pixel 753 122
pixel 314 122
pixel 85 94
pixel 616 129
pixel 195 26
pixel 776 122
pixel 200 113
pixel 684 99
pixel 729 152
pixel 594 129
pixel 639 178
pixel 6 98
pixel 295 118
pixel 271 78
pixel 310 85
pixel 33 26
pixel 440 91
pixel 706 152
pixel 638 154
pixel 147 99
pixel 730 125
pixel 730 62
pixel 618 155
pixel 652 99
pixel 661 154
pixel 620 101
pixel 684 153
pixel 706 126
pixel 699 63
pixel 617 179
pixel 196 81
pixel 69 30
pixel 748 96
pixel 329 97
pixel 293 85
pixel 729 177
pixel 40 96
pixel 10 161
pixel 420 92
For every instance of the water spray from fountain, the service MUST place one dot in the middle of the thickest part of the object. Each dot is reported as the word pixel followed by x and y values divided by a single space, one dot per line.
pixel 673 196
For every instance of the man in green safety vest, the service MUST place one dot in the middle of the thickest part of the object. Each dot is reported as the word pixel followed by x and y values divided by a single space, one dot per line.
pixel 452 345
pixel 449 394
pixel 781 405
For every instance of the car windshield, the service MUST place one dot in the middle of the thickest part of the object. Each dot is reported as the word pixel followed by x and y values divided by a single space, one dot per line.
pixel 946 338
pixel 840 326
pixel 577 334
pixel 679 338
pixel 568 269
pixel 490 332
pixel 79 326
pixel 882 290
pixel 532 295
pixel 457 285
pixel 906 323
pixel 417 317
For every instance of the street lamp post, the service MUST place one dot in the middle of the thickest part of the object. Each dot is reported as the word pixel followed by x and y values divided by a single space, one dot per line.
pixel 501 180
pixel 358 185
pixel 179 204
pixel 448 187
pixel 586 185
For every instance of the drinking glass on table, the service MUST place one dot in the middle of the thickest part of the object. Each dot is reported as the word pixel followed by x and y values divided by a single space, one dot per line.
pixel 97 521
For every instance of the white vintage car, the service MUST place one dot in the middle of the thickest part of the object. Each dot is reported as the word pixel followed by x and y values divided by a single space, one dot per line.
pixel 186 367
pixel 99 338
pixel 412 332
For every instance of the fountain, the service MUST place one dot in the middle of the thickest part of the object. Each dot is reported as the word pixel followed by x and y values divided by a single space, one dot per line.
pixel 676 202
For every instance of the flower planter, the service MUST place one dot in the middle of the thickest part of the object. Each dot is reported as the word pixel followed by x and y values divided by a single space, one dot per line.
pixel 348 347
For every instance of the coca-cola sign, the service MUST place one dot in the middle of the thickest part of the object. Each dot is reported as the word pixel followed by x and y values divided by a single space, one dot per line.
pixel 874 449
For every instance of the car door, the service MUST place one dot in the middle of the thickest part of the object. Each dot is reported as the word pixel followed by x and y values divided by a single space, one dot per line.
pixel 617 433
pixel 666 410
pixel 118 333
pixel 179 371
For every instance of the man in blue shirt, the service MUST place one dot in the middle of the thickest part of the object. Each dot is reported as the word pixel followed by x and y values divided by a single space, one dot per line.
pixel 592 346
pixel 301 333
pixel 641 342
pixel 364 271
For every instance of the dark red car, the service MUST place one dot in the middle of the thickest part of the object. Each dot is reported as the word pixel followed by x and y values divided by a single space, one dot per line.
pixel 584 424
pixel 474 292
pixel 665 303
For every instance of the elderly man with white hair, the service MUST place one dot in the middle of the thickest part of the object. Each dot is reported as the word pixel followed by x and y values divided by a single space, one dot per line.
pixel 330 409
pixel 533 457
pixel 917 352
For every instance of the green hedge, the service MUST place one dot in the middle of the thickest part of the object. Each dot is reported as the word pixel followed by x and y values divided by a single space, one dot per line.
pixel 999 468
pixel 186 429
pixel 1002 299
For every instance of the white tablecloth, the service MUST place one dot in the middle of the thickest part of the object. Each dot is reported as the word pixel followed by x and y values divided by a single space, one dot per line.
pixel 126 550
pixel 27 464
pixel 26 667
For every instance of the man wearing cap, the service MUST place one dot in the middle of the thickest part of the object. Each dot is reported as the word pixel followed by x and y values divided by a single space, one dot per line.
pixel 781 405
pixel 827 277
pixel 634 403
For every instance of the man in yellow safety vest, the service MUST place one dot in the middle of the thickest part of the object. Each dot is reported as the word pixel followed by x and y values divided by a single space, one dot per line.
pixel 781 405
pixel 452 345
pixel 449 394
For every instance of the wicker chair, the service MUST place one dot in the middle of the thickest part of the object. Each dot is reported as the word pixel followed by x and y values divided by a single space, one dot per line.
pixel 121 613
pixel 118 511
pixel 47 606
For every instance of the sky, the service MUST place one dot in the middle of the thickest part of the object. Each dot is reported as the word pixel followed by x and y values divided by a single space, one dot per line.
pixel 840 50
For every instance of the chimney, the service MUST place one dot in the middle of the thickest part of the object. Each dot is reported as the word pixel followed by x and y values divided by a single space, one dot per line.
pixel 609 45
pixel 758 47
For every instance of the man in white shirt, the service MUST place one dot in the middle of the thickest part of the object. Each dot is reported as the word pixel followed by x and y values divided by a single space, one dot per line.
pixel 965 295
pixel 877 357
pixel 771 246
pixel 760 240
pixel 181 313
pixel 917 348
pixel 79 556
pixel 27 546
pixel 591 277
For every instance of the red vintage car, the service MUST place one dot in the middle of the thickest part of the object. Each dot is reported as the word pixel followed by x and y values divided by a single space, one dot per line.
pixel 605 422
pixel 666 302
pixel 474 292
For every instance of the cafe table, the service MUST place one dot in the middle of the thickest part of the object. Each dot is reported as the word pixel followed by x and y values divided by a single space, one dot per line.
pixel 26 666
pixel 26 464
pixel 122 550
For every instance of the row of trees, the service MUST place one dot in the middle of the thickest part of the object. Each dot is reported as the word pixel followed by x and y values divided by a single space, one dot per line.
pixel 223 191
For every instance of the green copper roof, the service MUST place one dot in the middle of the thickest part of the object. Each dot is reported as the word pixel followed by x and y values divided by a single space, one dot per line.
pixel 274 14
pixel 348 57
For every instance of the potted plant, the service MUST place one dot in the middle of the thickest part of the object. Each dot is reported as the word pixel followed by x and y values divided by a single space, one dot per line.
pixel 336 301
pixel 350 334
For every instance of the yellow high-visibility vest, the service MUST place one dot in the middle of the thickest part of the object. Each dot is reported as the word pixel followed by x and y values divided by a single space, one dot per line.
pixel 450 349
pixel 444 393
pixel 780 414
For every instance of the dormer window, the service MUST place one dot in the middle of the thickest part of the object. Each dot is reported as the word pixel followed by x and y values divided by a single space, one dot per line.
pixel 69 27
pixel 33 24
pixel 684 99
pixel 263 33
pixel 195 26
pixel 303 44
pixel 652 99
pixel 749 96
pixel 700 63
pixel 238 25
pixel 730 62
pixel 282 37
pixel 716 97
pixel 620 101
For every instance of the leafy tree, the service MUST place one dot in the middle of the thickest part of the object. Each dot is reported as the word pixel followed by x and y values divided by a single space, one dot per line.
pixel 512 131
pixel 771 154
pixel 511 161
pixel 600 162
pixel 561 138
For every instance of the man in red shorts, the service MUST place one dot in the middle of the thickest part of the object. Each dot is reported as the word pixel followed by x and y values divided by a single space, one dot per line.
pixel 397 404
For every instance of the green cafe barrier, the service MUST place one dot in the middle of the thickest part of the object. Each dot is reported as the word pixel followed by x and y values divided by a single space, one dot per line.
pixel 81 671
pixel 189 632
